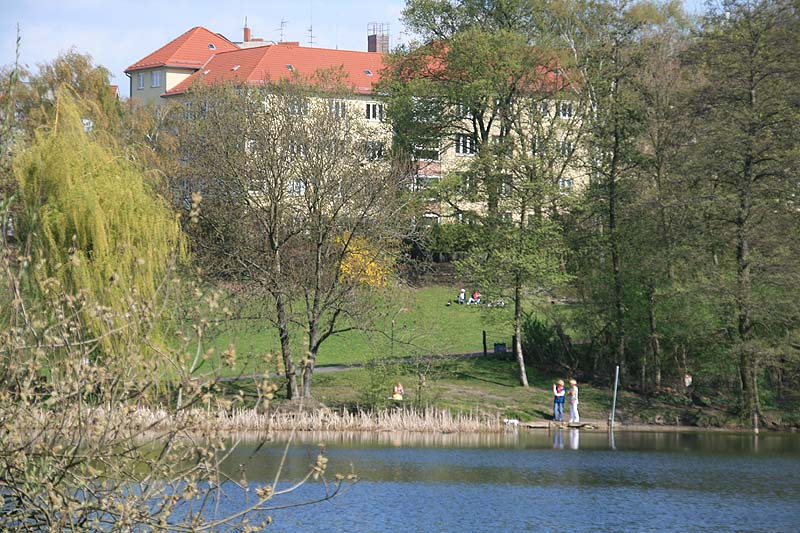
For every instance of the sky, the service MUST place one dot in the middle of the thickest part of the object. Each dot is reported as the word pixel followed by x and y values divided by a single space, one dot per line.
pixel 118 33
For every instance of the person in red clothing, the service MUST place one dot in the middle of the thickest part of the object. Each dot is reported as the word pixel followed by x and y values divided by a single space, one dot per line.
pixel 558 400
pixel 475 298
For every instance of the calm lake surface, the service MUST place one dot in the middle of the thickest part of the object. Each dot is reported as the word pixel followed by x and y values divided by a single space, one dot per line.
pixel 562 481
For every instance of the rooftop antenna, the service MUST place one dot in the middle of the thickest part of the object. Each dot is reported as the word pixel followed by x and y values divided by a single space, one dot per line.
pixel 283 25
pixel 311 24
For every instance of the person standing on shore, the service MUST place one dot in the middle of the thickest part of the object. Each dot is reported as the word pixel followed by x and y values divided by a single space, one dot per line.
pixel 574 417
pixel 558 400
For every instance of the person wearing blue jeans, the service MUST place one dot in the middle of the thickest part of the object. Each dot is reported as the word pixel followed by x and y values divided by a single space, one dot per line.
pixel 558 400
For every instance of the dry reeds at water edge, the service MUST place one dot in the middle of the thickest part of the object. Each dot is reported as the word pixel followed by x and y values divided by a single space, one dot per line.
pixel 428 420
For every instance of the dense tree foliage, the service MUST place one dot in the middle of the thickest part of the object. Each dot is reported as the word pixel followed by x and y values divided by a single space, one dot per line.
pixel 680 236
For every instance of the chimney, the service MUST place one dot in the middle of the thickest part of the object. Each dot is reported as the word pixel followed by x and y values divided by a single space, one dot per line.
pixel 378 37
pixel 246 34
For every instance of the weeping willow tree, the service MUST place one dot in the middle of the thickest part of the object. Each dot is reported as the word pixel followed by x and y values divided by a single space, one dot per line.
pixel 93 227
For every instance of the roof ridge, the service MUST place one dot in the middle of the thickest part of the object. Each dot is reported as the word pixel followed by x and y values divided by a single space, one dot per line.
pixel 165 55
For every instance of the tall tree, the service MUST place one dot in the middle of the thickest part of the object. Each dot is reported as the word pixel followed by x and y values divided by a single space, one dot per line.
pixel 603 38
pixel 481 82
pixel 299 201
pixel 747 155
pixel 99 102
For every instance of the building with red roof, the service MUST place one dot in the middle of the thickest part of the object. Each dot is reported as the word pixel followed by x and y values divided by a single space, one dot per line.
pixel 160 71
pixel 201 56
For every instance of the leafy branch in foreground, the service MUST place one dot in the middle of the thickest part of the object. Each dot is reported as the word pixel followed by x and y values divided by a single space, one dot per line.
pixel 75 453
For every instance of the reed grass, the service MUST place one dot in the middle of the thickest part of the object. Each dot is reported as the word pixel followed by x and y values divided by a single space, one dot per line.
pixel 427 420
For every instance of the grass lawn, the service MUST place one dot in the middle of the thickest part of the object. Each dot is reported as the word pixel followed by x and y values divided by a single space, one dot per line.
pixel 423 324
pixel 486 385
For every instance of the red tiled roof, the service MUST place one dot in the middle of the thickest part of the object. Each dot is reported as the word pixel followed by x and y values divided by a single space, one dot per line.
pixel 256 65
pixel 190 50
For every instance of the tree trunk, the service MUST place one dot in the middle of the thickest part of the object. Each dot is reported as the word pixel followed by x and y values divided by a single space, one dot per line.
pixel 308 371
pixel 613 171
pixel 619 308
pixel 655 345
pixel 286 349
pixel 523 376
pixel 743 296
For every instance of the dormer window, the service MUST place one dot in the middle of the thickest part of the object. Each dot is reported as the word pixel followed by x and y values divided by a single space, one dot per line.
pixel 290 67
pixel 212 46
pixel 206 72
pixel 368 72
pixel 235 67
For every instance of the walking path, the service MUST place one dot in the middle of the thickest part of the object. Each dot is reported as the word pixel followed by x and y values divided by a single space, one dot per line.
pixel 338 368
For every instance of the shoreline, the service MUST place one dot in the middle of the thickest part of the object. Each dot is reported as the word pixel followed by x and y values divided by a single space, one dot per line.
pixel 426 421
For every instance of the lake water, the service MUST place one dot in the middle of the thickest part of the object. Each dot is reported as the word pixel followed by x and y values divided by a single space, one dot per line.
pixel 562 481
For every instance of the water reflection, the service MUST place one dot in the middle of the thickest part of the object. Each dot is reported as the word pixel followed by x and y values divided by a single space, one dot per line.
pixel 574 438
pixel 428 482
pixel 558 439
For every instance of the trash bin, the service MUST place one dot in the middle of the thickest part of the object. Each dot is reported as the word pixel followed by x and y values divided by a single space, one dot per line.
pixel 500 348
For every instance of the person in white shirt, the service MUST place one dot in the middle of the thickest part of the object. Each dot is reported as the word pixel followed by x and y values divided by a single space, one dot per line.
pixel 574 417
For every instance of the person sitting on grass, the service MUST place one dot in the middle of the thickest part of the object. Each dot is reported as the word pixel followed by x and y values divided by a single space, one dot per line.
pixel 462 295
pixel 475 298
pixel 397 392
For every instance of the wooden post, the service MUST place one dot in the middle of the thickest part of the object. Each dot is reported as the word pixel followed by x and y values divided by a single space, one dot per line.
pixel 485 348
pixel 514 346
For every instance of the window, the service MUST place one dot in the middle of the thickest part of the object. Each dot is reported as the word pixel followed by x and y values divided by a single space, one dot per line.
pixel 297 187
pixel 565 109
pixel 565 184
pixel 465 218
pixel 155 78
pixel 429 219
pixel 469 186
pixel 505 185
pixel 462 111
pixel 374 150
pixel 427 152
pixel 538 145
pixel 298 106
pixel 544 108
pixel 297 148
pixel 337 108
pixel 465 144
pixel 374 111
pixel 565 148
pixel 425 182
pixel 140 80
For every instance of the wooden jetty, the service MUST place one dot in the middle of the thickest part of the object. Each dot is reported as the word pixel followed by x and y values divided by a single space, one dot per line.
pixel 550 424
